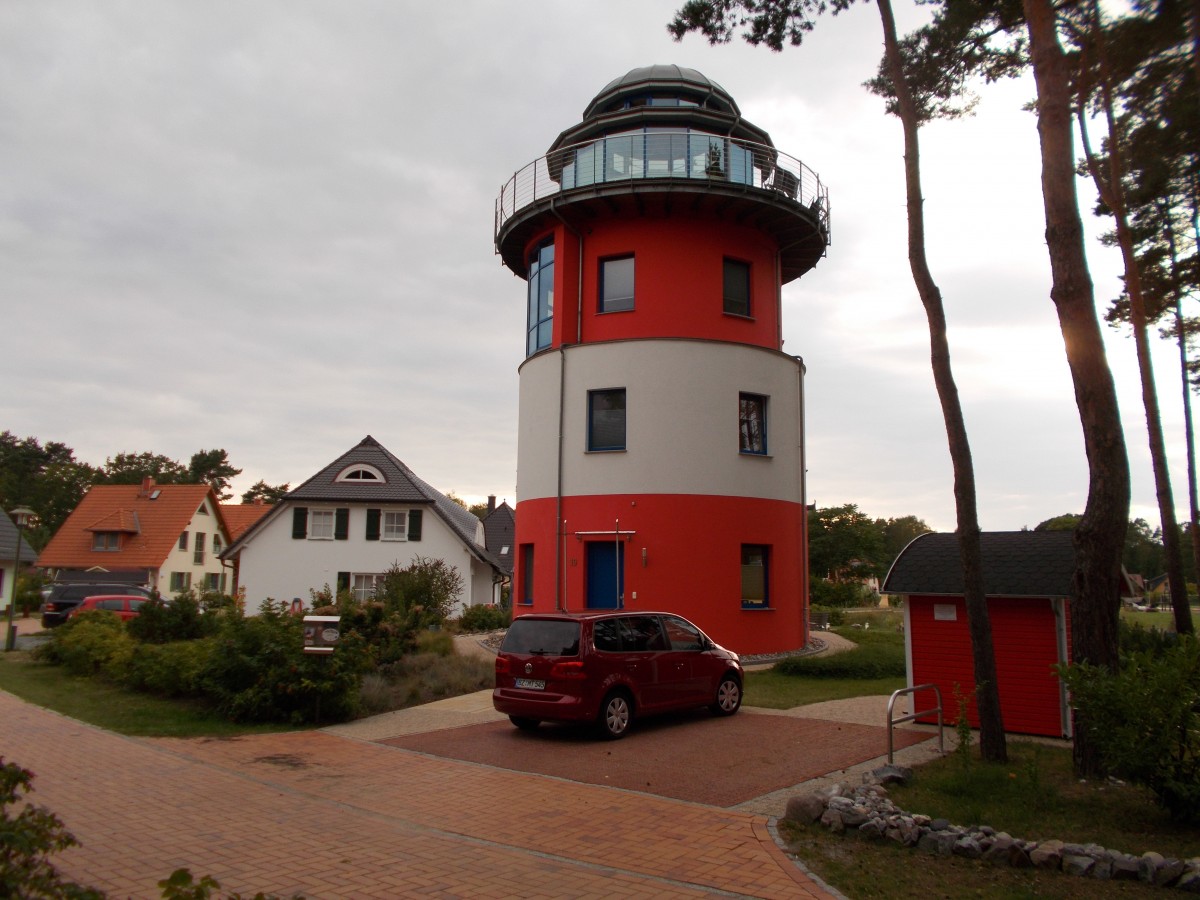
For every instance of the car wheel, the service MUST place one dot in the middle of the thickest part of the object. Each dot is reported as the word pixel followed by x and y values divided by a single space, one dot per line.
pixel 523 723
pixel 616 715
pixel 729 697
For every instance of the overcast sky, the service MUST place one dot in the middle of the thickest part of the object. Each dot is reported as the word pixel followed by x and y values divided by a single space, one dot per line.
pixel 267 227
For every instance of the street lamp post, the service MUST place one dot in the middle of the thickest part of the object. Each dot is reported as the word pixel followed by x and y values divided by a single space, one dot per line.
pixel 21 516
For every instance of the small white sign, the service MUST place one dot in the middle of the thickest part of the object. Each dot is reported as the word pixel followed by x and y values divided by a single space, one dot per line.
pixel 945 612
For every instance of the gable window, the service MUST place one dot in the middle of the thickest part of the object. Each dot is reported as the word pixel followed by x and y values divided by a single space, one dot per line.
pixel 606 419
pixel 107 541
pixel 216 545
pixel 616 284
pixel 320 525
pixel 395 526
pixel 756 572
pixel 203 510
pixel 198 556
pixel 752 424
pixel 737 287
pixel 361 473
pixel 183 541
pixel 541 298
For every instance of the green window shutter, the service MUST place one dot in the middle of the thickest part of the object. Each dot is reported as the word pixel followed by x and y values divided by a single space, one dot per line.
pixel 341 523
pixel 373 524
pixel 343 581
pixel 414 524
pixel 300 522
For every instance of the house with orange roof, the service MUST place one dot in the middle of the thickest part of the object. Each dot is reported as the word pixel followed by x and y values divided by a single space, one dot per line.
pixel 165 537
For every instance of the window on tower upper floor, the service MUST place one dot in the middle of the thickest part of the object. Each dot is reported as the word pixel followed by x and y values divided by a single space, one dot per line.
pixel 541 298
pixel 606 419
pixel 737 287
pixel 752 424
pixel 616 284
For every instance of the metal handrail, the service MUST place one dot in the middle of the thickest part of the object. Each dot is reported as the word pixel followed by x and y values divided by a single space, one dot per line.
pixel 694 156
pixel 915 715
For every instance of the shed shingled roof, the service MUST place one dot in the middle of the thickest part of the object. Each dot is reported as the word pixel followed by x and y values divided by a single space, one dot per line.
pixel 1015 564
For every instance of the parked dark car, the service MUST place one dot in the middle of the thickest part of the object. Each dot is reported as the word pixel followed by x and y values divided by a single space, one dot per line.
pixel 124 606
pixel 608 667
pixel 65 597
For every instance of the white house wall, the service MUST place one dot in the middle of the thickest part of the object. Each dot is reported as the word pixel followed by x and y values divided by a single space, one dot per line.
pixel 185 560
pixel 276 565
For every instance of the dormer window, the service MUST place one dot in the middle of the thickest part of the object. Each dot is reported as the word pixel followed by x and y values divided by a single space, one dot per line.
pixel 106 540
pixel 361 474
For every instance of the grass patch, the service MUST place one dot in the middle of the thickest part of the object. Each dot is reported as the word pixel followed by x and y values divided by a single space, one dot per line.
pixel 774 690
pixel 112 708
pixel 1034 796
pixel 875 666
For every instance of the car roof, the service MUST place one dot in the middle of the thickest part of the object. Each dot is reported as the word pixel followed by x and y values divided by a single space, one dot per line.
pixel 115 597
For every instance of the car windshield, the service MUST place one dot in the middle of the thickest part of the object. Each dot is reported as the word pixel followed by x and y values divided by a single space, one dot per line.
pixel 542 637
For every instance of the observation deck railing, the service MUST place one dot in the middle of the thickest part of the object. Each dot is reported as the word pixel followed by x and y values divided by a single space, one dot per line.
pixel 691 156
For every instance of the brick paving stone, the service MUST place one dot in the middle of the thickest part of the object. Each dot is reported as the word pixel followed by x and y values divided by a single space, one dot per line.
pixel 327 816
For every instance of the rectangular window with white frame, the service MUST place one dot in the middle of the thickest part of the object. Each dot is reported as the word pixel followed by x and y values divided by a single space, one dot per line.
pixel 363 585
pixel 394 525
pixel 320 525
pixel 752 424
pixel 198 553
pixel 180 581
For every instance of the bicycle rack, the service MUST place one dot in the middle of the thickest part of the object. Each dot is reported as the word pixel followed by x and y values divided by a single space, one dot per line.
pixel 916 715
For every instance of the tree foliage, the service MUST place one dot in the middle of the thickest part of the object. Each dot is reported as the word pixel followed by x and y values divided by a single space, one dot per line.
pixel 43 477
pixel 267 493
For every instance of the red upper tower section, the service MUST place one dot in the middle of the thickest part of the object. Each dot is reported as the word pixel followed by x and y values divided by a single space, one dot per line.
pixel 662 162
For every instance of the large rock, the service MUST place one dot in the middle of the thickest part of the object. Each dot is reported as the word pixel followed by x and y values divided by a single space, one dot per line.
pixel 805 808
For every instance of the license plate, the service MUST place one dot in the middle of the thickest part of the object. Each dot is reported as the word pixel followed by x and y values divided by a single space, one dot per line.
pixel 531 684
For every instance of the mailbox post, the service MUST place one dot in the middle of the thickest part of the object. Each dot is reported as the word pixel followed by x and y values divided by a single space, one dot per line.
pixel 321 634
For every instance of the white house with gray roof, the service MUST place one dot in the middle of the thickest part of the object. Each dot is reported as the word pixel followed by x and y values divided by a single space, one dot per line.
pixel 8 560
pixel 352 521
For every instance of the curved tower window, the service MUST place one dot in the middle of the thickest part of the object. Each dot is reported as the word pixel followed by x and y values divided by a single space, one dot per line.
pixel 541 298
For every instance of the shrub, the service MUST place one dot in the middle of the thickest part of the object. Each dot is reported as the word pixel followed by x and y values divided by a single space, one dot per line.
pixel 182 619
pixel 92 643
pixel 1136 638
pixel 1145 721
pixel 841 593
pixel 836 614
pixel 484 618
pixel 438 643
pixel 257 670
pixel 874 660
pixel 169 670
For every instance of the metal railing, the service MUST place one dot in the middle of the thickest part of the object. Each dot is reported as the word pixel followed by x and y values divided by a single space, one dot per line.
pixel 916 715
pixel 693 156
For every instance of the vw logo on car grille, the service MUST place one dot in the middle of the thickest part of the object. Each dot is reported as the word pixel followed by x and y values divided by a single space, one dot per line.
pixel 528 668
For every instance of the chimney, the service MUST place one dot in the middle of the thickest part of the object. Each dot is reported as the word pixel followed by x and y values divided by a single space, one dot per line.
pixel 491 503
pixel 147 485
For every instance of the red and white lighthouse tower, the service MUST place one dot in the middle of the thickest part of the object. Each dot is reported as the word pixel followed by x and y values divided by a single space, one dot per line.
pixel 661 438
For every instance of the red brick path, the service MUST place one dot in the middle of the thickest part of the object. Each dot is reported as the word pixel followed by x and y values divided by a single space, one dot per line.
pixel 326 816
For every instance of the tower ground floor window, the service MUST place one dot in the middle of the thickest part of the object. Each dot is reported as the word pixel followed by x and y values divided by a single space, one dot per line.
pixel 756 572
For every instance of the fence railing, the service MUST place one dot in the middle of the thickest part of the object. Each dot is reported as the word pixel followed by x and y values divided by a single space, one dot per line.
pixel 915 715
pixel 651 155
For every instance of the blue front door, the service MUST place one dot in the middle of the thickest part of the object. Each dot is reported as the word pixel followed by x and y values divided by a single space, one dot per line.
pixel 605 575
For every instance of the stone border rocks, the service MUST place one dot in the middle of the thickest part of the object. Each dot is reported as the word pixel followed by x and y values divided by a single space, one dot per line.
pixel 867 809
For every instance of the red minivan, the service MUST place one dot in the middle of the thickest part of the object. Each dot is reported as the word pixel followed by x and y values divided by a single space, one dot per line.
pixel 125 606
pixel 609 666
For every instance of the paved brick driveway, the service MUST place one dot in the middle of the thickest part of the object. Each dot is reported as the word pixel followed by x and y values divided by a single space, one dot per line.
pixel 329 817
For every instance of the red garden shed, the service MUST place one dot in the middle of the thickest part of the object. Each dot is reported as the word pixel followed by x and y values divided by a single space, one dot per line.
pixel 1027 578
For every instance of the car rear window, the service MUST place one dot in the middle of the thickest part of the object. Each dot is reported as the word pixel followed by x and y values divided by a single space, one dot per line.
pixel 542 637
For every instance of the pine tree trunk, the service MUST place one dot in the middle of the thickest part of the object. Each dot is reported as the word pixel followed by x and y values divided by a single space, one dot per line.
pixel 1112 192
pixel 992 743
pixel 1100 535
